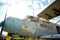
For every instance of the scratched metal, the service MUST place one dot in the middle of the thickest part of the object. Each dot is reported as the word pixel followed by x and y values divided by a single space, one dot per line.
pixel 27 28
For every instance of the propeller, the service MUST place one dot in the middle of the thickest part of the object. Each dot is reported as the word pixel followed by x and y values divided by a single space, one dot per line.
pixel 3 24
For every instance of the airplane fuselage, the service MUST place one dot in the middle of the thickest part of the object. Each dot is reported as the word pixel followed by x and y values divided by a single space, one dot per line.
pixel 27 28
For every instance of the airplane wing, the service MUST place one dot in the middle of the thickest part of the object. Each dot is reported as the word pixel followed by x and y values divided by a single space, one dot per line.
pixel 52 11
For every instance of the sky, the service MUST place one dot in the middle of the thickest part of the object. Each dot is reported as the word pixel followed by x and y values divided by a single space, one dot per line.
pixel 56 20
pixel 22 8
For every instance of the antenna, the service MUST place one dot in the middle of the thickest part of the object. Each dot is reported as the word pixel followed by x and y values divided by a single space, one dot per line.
pixel 33 7
pixel 33 13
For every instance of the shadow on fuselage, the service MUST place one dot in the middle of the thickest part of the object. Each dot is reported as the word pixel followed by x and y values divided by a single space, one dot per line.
pixel 58 29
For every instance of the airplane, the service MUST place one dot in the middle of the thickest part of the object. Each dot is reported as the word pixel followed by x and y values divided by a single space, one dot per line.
pixel 28 28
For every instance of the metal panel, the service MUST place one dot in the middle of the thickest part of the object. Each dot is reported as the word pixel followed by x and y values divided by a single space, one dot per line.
pixel 27 28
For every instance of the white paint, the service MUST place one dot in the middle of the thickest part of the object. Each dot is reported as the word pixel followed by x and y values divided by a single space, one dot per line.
pixel 4 33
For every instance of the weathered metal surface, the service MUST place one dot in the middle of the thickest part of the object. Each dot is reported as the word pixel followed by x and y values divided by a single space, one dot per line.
pixel 26 28
pixel 51 36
